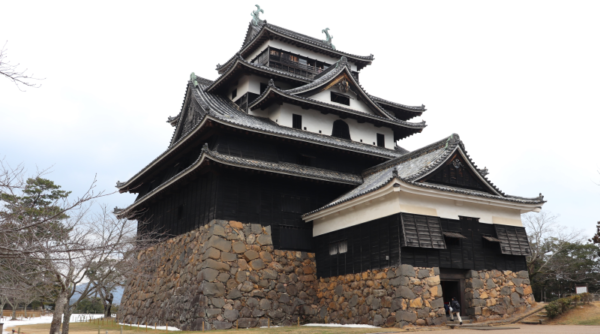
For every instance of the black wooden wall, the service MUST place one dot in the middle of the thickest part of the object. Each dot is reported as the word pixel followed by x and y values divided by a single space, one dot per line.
pixel 274 201
pixel 248 197
pixel 191 206
pixel 375 245
pixel 273 151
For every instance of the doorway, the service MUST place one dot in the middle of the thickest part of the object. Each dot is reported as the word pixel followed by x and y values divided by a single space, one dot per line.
pixel 453 285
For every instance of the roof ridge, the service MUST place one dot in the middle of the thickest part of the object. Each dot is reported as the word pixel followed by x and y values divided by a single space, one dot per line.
pixel 413 154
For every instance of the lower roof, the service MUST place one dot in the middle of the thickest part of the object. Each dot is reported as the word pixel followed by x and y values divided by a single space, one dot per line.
pixel 414 166
pixel 273 167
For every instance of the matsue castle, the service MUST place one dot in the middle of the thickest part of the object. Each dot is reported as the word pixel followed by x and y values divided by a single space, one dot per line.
pixel 287 199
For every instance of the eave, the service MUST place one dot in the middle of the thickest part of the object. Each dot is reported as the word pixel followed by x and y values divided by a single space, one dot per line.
pixel 398 186
pixel 207 156
pixel 210 120
pixel 242 65
pixel 268 32
pixel 275 95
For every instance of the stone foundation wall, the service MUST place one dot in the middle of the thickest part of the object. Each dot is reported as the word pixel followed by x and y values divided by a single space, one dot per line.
pixel 496 294
pixel 391 297
pixel 221 275
pixel 227 274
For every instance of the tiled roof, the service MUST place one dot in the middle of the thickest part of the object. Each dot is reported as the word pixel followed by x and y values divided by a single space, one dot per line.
pixel 278 168
pixel 390 121
pixel 223 110
pixel 253 32
pixel 418 109
pixel 332 73
pixel 413 166
pixel 255 67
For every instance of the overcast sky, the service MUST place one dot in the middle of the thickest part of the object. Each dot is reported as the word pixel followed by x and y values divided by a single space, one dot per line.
pixel 519 81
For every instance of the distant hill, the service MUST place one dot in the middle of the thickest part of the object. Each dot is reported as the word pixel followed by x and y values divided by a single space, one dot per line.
pixel 117 294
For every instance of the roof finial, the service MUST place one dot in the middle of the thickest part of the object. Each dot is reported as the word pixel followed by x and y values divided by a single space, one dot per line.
pixel 395 173
pixel 329 37
pixel 193 79
pixel 271 83
pixel 452 140
pixel 255 16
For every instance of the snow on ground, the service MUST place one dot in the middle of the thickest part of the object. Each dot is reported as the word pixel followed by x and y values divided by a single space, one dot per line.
pixel 174 329
pixel 43 320
pixel 340 325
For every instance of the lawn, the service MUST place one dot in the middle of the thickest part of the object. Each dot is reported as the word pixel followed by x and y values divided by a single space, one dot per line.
pixel 88 328
pixel 581 315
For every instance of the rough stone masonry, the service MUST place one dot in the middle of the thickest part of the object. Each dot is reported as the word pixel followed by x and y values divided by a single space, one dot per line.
pixel 227 274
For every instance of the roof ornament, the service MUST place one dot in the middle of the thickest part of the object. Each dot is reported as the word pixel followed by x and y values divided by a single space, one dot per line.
pixel 395 173
pixel 484 171
pixel 255 16
pixel 120 184
pixel 453 140
pixel 193 79
pixel 271 83
pixel 329 37
pixel 343 86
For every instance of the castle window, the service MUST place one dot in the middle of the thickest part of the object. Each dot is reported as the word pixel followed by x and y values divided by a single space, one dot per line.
pixel 340 130
pixel 297 121
pixel 274 53
pixel 340 98
pixel 293 58
pixel 338 248
pixel 233 93
pixel 380 140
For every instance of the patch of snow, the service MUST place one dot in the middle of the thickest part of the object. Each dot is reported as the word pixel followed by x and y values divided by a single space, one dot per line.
pixel 164 328
pixel 43 320
pixel 340 325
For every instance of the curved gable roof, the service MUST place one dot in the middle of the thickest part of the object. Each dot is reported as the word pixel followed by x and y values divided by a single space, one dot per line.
pixel 415 166
pixel 255 35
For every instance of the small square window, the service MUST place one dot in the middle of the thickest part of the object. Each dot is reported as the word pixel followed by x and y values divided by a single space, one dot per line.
pixel 233 93
pixel 297 121
pixel 340 98
pixel 338 248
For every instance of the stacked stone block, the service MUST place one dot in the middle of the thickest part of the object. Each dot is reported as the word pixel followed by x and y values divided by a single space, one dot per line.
pixel 495 294
pixel 392 297
pixel 223 275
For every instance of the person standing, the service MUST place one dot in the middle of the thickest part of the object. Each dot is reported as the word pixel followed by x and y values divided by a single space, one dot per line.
pixel 455 309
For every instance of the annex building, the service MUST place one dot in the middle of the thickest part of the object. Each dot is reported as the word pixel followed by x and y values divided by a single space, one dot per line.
pixel 287 199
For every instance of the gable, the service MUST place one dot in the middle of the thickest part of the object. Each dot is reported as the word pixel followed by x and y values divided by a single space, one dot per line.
pixel 340 92
pixel 189 118
pixel 456 172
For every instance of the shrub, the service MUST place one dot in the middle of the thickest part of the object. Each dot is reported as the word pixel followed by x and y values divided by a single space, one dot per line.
pixel 560 306
pixel 553 310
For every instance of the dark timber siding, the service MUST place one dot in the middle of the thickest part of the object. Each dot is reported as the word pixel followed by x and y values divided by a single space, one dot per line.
pixel 190 207
pixel 274 201
pixel 369 244
pixel 246 197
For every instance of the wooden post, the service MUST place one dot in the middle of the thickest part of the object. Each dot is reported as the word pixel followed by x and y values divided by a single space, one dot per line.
pixel 167 328
pixel 146 325
pixel 121 329
pixel 269 322
pixel 298 321
pixel 237 324
pixel 203 326
pixel 155 325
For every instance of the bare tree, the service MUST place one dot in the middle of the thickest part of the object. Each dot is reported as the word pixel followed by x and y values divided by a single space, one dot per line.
pixel 19 77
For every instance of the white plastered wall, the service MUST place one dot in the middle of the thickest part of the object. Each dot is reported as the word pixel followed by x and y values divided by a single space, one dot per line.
pixel 296 50
pixel 251 83
pixel 399 201
pixel 355 104
pixel 315 121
